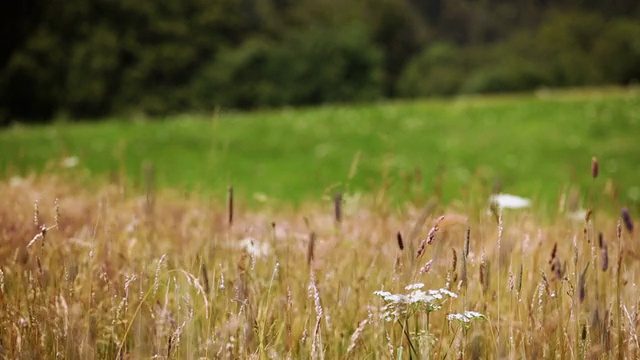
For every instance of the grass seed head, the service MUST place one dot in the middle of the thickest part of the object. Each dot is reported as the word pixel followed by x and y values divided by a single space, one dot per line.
pixel 626 219
pixel 230 206
pixel 484 275
pixel 467 239
pixel 454 260
pixel 582 283
pixel 205 278
pixel 36 214
pixel 430 237
pixel 400 242
pixel 310 248
pixel 553 253
pixel 57 213
pixel 594 167
pixel 337 207
pixel 587 216
pixel 356 335
pixel 605 258
pixel 600 240
pixel 520 279
pixel 426 267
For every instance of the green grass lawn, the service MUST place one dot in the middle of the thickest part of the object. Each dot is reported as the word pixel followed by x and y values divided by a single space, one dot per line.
pixel 533 145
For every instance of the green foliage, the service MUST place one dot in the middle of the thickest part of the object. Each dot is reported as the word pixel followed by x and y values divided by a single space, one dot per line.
pixel 569 49
pixel 32 80
pixel 90 59
pixel 313 66
pixel 618 50
pixel 91 79
pixel 510 75
pixel 566 42
pixel 438 70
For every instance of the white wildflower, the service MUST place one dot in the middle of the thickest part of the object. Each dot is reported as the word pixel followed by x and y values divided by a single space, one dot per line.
pixel 578 215
pixel 467 317
pixel 69 162
pixel 255 248
pixel 398 305
pixel 449 293
pixel 508 201
pixel 414 286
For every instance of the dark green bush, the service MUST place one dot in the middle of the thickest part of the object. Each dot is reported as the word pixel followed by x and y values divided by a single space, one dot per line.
pixel 93 72
pixel 438 70
pixel 617 49
pixel 505 77
pixel 565 45
pixel 308 67
pixel 32 83
pixel 244 77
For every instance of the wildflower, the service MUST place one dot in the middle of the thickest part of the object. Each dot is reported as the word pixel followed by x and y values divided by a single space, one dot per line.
pixel 507 201
pixel 466 317
pixel 254 247
pixel 415 286
pixel 417 300
pixel 69 162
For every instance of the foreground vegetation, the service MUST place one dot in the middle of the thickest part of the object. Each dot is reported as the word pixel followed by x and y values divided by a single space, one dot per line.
pixel 108 274
pixel 530 145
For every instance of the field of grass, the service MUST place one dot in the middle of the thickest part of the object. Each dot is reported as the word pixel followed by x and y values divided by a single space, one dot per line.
pixel 102 274
pixel 532 145
pixel 97 262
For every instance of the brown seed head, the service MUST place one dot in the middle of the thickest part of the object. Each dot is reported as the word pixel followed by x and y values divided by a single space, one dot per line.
pixel 337 207
pixel 312 241
pixel 619 229
pixel 605 257
pixel 484 275
pixel 600 240
pixel 582 283
pixel 594 167
pixel 455 260
pixel 587 216
pixel 230 205
pixel 626 218
pixel 553 252
pixel 466 241
pixel 520 279
pixel 400 243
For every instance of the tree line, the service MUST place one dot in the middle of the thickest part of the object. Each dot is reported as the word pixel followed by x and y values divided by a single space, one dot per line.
pixel 93 58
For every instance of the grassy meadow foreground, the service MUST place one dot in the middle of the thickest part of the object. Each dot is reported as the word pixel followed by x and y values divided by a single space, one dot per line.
pixel 110 274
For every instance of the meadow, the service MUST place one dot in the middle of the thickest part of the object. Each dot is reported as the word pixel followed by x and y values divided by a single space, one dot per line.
pixel 532 145
pixel 141 251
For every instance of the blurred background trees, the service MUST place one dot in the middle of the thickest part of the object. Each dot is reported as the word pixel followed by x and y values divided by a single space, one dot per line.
pixel 87 59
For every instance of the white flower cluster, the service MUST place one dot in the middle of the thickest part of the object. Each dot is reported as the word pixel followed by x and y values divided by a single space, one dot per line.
pixel 508 201
pixel 466 317
pixel 418 300
pixel 255 248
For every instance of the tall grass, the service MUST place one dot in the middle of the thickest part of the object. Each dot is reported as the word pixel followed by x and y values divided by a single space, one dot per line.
pixel 110 274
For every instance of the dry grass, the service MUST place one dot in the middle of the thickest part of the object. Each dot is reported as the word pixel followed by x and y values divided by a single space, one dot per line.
pixel 171 276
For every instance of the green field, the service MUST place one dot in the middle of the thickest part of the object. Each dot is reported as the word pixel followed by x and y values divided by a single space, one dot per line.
pixel 534 145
